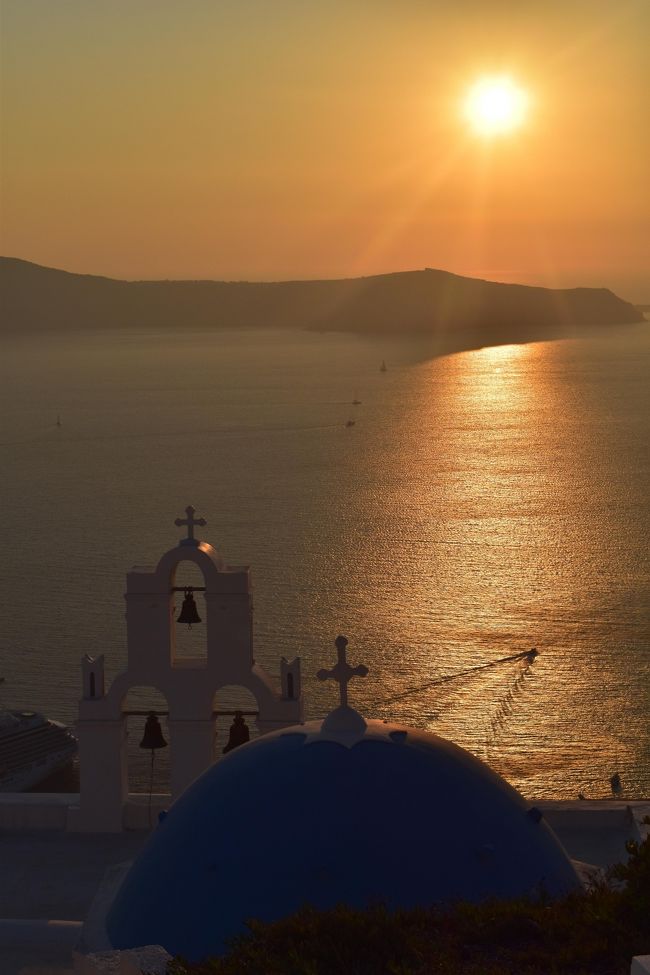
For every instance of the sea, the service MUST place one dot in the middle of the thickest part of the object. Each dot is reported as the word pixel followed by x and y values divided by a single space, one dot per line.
pixel 468 508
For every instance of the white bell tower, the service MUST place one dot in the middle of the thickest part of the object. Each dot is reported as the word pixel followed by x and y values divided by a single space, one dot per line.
pixel 188 684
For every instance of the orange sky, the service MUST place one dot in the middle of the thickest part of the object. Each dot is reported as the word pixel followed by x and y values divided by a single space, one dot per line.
pixel 260 140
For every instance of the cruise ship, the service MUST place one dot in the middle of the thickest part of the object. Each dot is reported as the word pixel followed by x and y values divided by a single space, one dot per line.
pixel 32 747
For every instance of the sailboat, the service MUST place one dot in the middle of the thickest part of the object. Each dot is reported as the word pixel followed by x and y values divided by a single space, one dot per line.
pixel 58 421
pixel 383 367
pixel 356 401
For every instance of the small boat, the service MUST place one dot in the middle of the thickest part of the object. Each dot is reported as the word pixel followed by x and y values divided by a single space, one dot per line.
pixel 383 367
pixel 58 421
pixel 355 401
pixel 350 423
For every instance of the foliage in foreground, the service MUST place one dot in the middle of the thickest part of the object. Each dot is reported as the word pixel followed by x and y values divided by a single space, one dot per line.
pixel 593 934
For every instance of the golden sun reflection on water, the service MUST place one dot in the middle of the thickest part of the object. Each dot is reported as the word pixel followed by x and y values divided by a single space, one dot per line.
pixel 495 542
pixel 477 507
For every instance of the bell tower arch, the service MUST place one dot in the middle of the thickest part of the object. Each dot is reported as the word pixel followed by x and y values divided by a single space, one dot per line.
pixel 188 684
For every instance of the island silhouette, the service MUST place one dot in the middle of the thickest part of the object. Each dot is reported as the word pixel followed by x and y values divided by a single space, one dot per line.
pixel 455 312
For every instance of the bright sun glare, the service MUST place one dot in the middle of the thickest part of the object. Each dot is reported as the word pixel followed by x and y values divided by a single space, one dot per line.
pixel 495 105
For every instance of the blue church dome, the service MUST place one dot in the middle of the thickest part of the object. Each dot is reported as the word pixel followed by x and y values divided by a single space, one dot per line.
pixel 329 812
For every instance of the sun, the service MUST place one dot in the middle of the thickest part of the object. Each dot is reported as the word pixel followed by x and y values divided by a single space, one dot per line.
pixel 495 106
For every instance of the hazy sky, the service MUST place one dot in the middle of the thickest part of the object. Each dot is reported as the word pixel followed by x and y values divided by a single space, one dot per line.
pixel 294 138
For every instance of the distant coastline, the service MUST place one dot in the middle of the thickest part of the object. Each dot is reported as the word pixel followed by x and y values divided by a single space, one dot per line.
pixel 455 312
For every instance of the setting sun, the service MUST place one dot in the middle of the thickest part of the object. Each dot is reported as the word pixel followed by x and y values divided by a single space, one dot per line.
pixel 496 105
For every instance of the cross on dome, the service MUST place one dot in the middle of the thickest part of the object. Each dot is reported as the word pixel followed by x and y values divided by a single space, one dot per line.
pixel 191 522
pixel 342 672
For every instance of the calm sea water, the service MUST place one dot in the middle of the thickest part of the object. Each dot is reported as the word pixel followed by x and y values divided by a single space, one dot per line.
pixel 482 504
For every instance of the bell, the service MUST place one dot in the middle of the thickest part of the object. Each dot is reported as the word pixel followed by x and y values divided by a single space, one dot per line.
pixel 189 613
pixel 239 733
pixel 153 736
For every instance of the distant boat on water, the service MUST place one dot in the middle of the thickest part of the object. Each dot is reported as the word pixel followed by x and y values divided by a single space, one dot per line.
pixel 350 423
pixel 383 367
pixel 356 401
pixel 58 421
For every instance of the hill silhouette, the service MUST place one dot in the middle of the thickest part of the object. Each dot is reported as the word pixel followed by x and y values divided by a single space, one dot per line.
pixel 458 312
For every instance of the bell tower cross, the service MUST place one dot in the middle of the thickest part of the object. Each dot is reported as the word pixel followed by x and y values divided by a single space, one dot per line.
pixel 191 522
